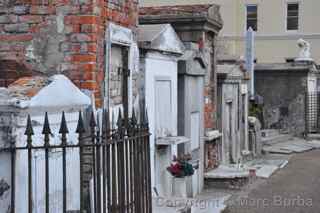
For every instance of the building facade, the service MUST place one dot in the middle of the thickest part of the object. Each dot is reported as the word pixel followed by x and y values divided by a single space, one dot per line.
pixel 278 25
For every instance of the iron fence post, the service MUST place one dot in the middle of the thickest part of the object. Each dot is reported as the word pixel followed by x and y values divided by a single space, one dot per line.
pixel 64 131
pixel 29 132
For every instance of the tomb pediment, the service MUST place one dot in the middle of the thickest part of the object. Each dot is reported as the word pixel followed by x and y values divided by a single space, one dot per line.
pixel 160 37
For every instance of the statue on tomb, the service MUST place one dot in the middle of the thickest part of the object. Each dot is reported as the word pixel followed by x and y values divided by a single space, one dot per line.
pixel 304 54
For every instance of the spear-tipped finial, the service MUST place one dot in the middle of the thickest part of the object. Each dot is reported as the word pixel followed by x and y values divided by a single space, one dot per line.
pixel 146 117
pixel 119 122
pixel 29 128
pixel 46 126
pixel 103 120
pixel 133 119
pixel 142 114
pixel 80 126
pixel 92 120
pixel 107 120
pixel 63 125
pixel 98 123
pixel 113 120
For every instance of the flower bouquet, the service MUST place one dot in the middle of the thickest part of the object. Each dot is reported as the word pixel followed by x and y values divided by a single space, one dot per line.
pixel 180 167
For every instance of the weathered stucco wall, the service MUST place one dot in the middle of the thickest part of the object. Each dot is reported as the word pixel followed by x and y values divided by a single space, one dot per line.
pixel 60 36
pixel 283 93
pixel 157 67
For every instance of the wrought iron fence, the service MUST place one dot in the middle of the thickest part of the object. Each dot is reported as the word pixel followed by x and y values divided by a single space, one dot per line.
pixel 312 112
pixel 119 164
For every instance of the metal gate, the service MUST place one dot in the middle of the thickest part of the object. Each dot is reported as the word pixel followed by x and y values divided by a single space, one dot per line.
pixel 119 164
pixel 312 112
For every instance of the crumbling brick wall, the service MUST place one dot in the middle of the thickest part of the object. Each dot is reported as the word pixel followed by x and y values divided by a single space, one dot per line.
pixel 210 93
pixel 61 36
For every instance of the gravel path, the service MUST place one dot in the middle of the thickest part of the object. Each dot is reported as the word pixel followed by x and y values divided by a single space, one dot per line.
pixel 294 189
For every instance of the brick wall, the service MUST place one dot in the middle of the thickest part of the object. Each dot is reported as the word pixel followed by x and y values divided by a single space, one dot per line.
pixel 210 93
pixel 212 158
pixel 60 36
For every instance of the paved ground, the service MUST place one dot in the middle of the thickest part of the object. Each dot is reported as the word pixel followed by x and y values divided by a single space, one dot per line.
pixel 294 189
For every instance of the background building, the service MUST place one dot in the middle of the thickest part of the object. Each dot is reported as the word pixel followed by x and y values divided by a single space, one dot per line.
pixel 278 23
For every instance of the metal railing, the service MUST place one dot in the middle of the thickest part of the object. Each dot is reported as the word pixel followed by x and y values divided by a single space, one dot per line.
pixel 119 164
pixel 312 112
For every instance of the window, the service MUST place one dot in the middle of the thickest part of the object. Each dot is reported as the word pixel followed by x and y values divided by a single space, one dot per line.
pixel 252 17
pixel 293 16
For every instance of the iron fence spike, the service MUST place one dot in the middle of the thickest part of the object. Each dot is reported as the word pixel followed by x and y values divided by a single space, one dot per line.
pixel 113 120
pixel 29 128
pixel 142 114
pixel 134 119
pixel 146 117
pixel 63 125
pixel 103 119
pixel 119 122
pixel 46 126
pixel 107 120
pixel 80 125
pixel 98 123
pixel 92 120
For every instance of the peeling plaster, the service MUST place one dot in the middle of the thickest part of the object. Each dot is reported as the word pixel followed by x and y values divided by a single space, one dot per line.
pixel 60 23
pixel 43 53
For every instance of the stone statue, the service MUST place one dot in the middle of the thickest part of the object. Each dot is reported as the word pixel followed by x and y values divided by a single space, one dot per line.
pixel 304 54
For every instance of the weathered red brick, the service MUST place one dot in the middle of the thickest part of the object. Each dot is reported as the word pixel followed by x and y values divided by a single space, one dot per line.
pixel 89 28
pixel 30 19
pixel 74 28
pixel 87 67
pixel 5 47
pixel 92 48
pixel 18 28
pixel 82 37
pixel 17 37
pixel 60 3
pixel 7 19
pixel 88 75
pixel 86 9
pixel 91 85
pixel 83 58
pixel 42 10
pixel 80 19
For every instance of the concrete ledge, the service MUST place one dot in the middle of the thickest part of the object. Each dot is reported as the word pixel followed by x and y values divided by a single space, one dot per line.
pixel 174 140
pixel 227 172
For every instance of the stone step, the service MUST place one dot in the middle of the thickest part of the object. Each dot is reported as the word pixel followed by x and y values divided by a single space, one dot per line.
pixel 227 177
pixel 269 132
pixel 276 139
pixel 313 136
